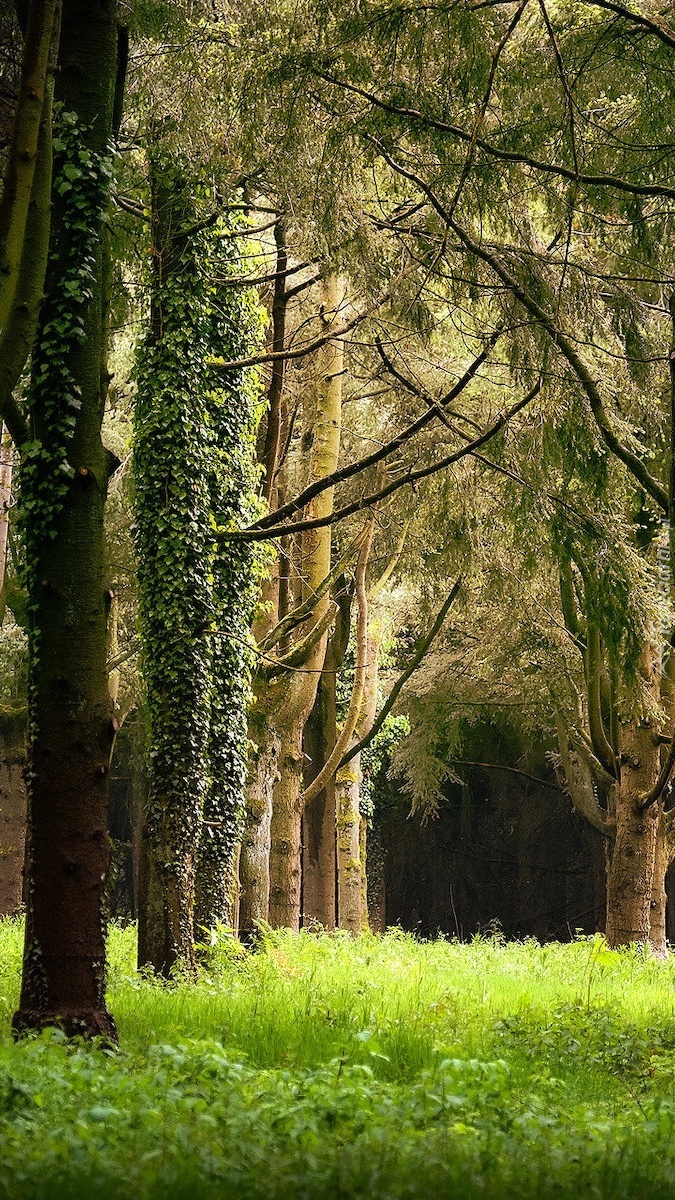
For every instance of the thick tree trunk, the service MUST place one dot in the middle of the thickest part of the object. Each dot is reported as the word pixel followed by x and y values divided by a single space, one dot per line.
pixel 69 707
pixel 631 869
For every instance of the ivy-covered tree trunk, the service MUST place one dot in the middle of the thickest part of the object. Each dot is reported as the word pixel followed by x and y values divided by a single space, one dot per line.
pixel 64 482
pixel 193 476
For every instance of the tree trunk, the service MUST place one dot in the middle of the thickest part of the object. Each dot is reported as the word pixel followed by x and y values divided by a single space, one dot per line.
pixel 254 860
pixel 318 820
pixel 348 822
pixel 663 857
pixel 323 444
pixel 71 731
pixel 285 859
pixel 43 19
pixel 631 869
pixel 12 810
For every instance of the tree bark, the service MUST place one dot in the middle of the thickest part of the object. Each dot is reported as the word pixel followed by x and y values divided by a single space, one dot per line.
pixel 631 869
pixel 663 857
pixel 254 860
pixel 318 819
pixel 42 23
pixel 348 824
pixel 12 809
pixel 300 688
pixel 63 980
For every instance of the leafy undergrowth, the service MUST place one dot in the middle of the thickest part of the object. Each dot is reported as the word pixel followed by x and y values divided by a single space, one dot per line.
pixel 379 1068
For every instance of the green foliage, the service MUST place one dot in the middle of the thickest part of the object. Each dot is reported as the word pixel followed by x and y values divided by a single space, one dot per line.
pixel 368 1067
pixel 194 475
pixel 376 760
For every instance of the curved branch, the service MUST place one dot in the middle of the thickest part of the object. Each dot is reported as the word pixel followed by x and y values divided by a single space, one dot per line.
pixel 370 460
pixel 547 322
pixel 420 651
pixel 302 650
pixel 411 477
pixel 660 31
pixel 302 611
pixel 333 761
pixel 513 156
pixel 659 787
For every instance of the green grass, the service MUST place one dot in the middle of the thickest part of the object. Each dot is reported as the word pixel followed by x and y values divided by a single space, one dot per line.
pixel 378 1068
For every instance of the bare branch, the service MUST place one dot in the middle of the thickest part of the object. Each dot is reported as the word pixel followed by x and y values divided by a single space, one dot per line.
pixel 370 460
pixel 420 651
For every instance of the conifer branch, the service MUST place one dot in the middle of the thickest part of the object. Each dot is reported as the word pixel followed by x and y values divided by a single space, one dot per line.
pixel 513 156
pixel 547 322
pixel 410 477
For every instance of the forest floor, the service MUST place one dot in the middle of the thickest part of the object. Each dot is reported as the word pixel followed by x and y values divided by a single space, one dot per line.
pixel 383 1068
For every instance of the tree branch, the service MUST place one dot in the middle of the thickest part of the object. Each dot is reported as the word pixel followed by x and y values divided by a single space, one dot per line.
pixel 526 160
pixel 411 477
pixel 302 649
pixel 659 787
pixel 305 610
pixel 420 651
pixel 557 335
pixel 351 720
pixel 660 31
pixel 370 460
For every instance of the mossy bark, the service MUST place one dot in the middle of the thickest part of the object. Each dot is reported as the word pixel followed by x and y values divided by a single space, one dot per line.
pixel 348 823
pixel 63 980
pixel 254 858
pixel 22 162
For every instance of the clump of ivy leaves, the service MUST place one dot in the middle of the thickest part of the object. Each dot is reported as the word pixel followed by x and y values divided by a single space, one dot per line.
pixel 80 185
pixel 194 475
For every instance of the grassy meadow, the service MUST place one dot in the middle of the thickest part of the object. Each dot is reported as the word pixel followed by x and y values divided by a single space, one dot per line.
pixel 380 1068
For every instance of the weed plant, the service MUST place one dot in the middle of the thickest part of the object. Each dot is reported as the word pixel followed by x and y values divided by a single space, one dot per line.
pixel 322 1066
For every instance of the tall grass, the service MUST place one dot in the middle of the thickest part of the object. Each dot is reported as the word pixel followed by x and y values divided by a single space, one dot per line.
pixel 376 1067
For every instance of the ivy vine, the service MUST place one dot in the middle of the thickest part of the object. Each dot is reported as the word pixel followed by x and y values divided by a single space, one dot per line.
pixel 194 474
pixel 81 181
pixel 80 187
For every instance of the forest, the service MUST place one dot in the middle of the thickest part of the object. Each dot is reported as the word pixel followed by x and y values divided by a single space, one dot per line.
pixel 337 598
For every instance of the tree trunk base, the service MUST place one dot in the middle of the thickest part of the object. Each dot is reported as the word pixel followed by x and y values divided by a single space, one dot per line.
pixel 84 1023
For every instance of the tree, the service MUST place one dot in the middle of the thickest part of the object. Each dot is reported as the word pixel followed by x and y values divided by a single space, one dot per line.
pixel 64 480
pixel 193 474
